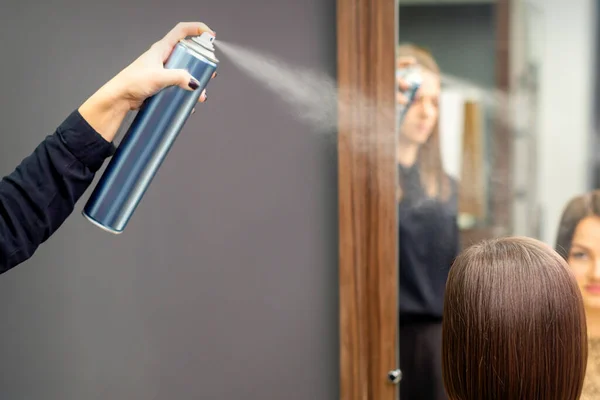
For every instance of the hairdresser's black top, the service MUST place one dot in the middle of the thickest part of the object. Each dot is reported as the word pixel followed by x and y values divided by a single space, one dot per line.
pixel 37 197
pixel 428 244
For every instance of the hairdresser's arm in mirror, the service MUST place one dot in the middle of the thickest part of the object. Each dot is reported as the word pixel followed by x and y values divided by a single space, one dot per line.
pixel 106 109
pixel 403 62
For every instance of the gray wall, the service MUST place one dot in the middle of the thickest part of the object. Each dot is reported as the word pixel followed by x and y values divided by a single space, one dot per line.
pixel 224 284
pixel 461 37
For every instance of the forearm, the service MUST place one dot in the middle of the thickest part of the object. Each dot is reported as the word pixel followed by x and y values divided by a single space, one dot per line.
pixel 105 110
pixel 37 197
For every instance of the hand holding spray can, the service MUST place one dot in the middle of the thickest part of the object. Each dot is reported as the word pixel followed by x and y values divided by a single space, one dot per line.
pixel 412 77
pixel 150 137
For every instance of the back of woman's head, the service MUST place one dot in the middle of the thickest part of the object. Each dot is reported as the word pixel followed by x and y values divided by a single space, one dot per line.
pixel 514 324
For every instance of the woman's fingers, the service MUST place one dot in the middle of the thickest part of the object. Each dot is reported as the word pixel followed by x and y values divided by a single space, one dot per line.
pixel 181 31
pixel 401 99
pixel 402 63
pixel 402 84
pixel 185 29
pixel 202 99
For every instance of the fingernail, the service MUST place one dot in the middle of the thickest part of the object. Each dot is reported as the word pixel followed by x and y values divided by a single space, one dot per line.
pixel 216 73
pixel 194 84
pixel 205 96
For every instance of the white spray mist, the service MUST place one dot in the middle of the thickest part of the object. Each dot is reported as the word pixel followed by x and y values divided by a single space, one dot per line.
pixel 315 98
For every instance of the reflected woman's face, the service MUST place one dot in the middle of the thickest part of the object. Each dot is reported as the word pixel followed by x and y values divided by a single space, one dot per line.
pixel 422 116
pixel 584 258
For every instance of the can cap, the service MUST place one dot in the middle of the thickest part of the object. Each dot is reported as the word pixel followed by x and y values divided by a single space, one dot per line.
pixel 205 40
pixel 203 45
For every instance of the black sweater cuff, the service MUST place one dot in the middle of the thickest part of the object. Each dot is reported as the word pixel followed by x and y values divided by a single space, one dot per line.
pixel 87 145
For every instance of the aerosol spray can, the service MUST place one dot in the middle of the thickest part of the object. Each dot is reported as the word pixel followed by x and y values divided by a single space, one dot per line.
pixel 412 77
pixel 149 138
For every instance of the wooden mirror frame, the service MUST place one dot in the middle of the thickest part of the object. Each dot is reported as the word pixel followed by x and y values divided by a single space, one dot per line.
pixel 366 37
pixel 368 234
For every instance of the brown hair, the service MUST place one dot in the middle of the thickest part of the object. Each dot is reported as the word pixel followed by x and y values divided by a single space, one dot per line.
pixel 514 324
pixel 577 209
pixel 433 177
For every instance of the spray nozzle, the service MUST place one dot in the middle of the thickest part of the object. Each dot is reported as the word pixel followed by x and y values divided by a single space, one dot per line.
pixel 205 40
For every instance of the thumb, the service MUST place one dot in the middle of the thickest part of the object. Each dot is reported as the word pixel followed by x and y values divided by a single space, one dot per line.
pixel 177 77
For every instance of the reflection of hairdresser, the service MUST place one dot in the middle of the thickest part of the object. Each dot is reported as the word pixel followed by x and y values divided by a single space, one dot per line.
pixel 578 242
pixel 37 197
pixel 428 233
pixel 514 324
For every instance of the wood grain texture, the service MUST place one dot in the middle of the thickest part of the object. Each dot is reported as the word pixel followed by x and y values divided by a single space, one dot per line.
pixel 367 208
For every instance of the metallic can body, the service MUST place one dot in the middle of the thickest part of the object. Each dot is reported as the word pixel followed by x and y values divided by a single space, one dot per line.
pixel 413 78
pixel 146 144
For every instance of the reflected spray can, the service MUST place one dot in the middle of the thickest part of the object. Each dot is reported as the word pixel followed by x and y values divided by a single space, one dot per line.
pixel 149 138
pixel 412 77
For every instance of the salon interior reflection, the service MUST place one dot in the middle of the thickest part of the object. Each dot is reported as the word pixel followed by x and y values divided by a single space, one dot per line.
pixel 497 141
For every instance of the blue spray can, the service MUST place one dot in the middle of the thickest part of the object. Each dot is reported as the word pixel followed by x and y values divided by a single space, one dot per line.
pixel 149 138
pixel 412 76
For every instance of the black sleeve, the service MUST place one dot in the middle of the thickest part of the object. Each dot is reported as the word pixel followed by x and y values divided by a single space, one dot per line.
pixel 37 197
pixel 454 196
pixel 458 241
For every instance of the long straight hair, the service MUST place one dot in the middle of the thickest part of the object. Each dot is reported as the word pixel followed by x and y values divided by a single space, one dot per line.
pixel 514 325
pixel 429 160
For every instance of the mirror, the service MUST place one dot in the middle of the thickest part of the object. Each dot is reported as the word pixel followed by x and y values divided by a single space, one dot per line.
pixel 449 165
pixel 514 144
pixel 481 150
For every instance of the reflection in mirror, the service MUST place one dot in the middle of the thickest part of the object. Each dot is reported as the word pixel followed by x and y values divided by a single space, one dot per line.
pixel 487 147
pixel 446 153
pixel 427 199
pixel 440 131
pixel 578 242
